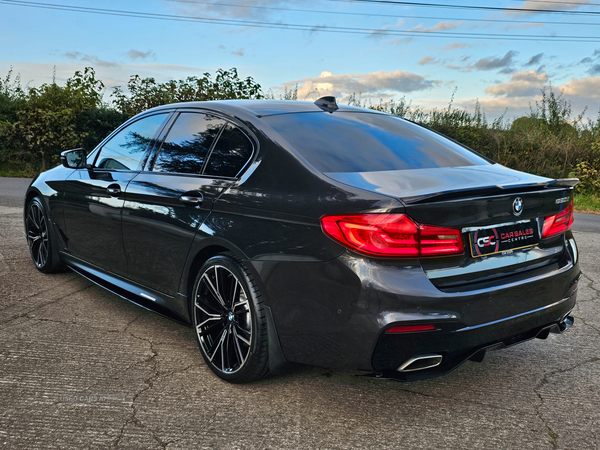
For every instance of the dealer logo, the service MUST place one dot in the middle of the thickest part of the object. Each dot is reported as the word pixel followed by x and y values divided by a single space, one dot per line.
pixel 518 206
pixel 486 242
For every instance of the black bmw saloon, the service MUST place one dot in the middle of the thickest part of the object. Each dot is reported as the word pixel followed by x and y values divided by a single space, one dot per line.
pixel 312 233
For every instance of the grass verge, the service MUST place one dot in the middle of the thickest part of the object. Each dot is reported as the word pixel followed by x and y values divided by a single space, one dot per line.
pixel 16 173
pixel 587 203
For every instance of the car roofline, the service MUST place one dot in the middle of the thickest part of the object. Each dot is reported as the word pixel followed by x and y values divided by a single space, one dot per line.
pixel 259 108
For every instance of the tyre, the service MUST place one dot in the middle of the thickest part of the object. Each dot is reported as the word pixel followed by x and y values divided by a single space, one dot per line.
pixel 229 320
pixel 39 237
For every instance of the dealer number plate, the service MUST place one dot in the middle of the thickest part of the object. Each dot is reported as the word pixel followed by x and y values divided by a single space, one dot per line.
pixel 490 241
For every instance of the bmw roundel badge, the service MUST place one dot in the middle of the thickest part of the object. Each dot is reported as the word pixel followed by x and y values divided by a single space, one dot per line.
pixel 518 206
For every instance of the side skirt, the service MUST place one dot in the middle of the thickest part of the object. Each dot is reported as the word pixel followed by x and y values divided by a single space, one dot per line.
pixel 140 295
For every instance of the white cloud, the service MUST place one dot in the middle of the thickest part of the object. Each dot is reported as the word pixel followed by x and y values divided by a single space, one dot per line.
pixel 582 87
pixel 525 88
pixel 402 41
pixel 534 60
pixel 551 5
pixel 255 9
pixel 491 63
pixel 488 63
pixel 137 54
pixel 456 45
pixel 378 84
pixel 441 26
pixel 92 59
pixel 428 60
pixel 525 83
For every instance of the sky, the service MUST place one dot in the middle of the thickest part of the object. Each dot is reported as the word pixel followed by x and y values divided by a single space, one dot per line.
pixel 500 53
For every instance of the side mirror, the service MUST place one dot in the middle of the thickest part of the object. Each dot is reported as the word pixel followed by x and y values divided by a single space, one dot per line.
pixel 74 159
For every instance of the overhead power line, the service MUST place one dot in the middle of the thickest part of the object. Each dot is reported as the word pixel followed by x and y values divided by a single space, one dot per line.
pixel 301 27
pixel 561 2
pixel 471 7
pixel 397 16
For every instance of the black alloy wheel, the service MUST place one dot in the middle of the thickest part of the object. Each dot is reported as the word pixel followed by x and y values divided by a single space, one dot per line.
pixel 229 320
pixel 39 237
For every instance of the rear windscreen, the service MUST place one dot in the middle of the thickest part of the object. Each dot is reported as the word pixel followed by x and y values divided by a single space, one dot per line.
pixel 367 142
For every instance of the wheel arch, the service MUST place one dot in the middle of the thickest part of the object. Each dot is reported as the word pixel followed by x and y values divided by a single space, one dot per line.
pixel 29 196
pixel 197 258
pixel 32 193
pixel 201 256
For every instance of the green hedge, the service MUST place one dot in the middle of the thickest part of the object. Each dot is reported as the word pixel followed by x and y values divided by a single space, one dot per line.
pixel 547 142
pixel 36 124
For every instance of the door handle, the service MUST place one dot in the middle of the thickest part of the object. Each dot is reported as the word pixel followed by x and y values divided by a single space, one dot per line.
pixel 113 190
pixel 189 200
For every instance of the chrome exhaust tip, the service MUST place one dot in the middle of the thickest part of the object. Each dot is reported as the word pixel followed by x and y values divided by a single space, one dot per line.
pixel 420 363
pixel 564 324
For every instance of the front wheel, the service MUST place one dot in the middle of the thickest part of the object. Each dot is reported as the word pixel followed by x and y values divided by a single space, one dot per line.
pixel 229 320
pixel 39 238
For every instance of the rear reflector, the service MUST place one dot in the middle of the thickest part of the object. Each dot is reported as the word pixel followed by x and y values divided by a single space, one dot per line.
pixel 559 223
pixel 392 235
pixel 410 329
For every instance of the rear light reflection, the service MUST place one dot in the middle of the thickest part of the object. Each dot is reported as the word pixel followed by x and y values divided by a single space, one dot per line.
pixel 392 235
pixel 410 329
pixel 559 223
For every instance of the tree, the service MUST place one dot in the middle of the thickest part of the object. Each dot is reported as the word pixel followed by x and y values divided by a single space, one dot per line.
pixel 147 93
pixel 527 124
pixel 553 113
pixel 12 97
pixel 47 119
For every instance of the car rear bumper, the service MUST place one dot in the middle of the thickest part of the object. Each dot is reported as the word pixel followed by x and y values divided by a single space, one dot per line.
pixel 336 313
pixel 394 353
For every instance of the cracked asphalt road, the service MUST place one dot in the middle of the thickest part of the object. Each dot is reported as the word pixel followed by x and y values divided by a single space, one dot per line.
pixel 82 368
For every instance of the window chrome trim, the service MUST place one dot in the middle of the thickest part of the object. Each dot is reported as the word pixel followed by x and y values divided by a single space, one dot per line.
pixel 228 120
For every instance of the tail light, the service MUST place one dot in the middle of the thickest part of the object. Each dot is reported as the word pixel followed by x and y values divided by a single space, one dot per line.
pixel 392 235
pixel 559 223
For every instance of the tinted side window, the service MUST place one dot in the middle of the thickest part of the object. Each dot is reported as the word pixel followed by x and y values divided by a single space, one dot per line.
pixel 368 142
pixel 187 144
pixel 231 153
pixel 126 149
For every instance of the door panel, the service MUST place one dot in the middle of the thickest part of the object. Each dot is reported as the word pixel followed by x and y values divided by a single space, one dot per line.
pixel 94 197
pixel 93 217
pixel 160 217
